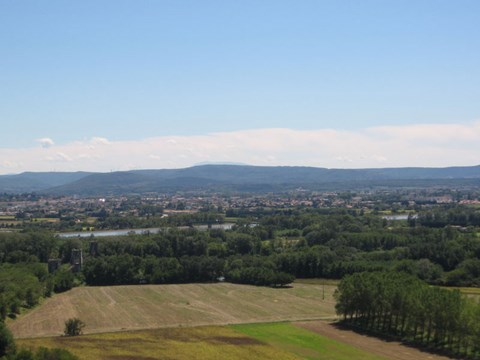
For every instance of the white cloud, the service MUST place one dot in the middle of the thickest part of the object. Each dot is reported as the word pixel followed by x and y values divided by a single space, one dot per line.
pixel 100 141
pixel 379 158
pixel 64 157
pixel 9 164
pixel 385 146
pixel 431 134
pixel 87 156
pixel 59 156
pixel 343 159
pixel 45 142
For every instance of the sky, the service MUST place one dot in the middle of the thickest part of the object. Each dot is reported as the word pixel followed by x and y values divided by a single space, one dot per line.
pixel 118 85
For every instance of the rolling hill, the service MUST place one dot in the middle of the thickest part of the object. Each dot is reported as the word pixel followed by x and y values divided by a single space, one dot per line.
pixel 37 181
pixel 233 178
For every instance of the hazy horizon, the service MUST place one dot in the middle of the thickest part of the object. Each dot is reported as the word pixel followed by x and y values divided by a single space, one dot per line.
pixel 239 164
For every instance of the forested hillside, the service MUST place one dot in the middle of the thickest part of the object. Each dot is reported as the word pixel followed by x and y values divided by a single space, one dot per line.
pixel 233 177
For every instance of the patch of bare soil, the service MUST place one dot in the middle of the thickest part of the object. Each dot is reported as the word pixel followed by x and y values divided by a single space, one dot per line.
pixel 390 349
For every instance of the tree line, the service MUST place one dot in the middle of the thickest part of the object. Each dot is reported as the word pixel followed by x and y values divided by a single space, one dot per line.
pixel 22 285
pixel 401 305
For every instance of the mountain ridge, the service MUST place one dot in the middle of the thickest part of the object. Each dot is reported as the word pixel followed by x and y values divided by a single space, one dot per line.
pixel 233 177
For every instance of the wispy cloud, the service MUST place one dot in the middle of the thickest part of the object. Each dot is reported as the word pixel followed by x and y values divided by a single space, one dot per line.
pixel 46 142
pixel 385 146
pixel 59 157
pixel 100 141
pixel 6 164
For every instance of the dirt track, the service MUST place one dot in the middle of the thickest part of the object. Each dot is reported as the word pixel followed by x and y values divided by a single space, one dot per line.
pixel 389 349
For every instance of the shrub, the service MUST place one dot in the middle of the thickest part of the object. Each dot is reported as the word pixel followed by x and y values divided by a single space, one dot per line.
pixel 73 327
pixel 7 344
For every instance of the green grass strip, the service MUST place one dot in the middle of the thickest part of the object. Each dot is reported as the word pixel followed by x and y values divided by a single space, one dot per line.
pixel 303 343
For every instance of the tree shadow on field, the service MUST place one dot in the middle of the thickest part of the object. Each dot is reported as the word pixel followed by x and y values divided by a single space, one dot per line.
pixel 345 326
pixel 282 287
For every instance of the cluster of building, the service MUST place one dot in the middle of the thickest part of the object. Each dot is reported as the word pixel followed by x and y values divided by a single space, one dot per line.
pixel 76 209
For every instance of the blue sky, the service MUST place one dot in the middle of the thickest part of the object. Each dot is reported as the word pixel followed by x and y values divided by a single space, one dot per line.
pixel 129 71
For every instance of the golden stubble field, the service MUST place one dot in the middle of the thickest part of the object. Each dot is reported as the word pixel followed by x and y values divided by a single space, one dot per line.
pixel 122 308
pixel 206 342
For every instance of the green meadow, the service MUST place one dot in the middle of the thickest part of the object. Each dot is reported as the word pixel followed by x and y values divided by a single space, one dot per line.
pixel 303 343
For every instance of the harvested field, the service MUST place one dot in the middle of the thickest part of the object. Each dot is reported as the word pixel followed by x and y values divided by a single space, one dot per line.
pixel 388 349
pixel 202 343
pixel 122 308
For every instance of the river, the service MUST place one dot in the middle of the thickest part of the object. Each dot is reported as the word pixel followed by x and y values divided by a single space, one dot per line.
pixel 399 217
pixel 100 233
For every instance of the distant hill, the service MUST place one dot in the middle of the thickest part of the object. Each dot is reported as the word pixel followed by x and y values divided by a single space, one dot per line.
pixel 37 181
pixel 232 177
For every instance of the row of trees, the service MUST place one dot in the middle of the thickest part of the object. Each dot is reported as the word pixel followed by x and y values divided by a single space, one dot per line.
pixel 24 284
pixel 401 305
pixel 255 271
pixel 128 269
pixel 460 216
